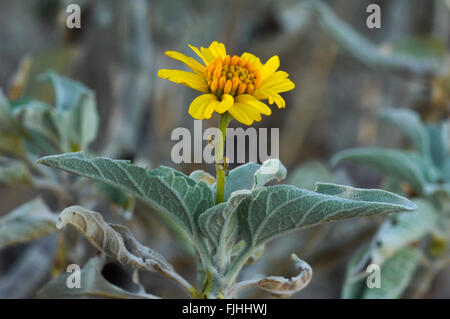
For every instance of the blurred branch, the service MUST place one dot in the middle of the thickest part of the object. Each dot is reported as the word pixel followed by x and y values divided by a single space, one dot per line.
pixel 370 54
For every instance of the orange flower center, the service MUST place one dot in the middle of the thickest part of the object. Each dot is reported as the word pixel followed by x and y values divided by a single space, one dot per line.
pixel 232 76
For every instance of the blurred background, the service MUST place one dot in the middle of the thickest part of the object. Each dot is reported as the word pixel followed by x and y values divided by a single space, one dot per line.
pixel 340 85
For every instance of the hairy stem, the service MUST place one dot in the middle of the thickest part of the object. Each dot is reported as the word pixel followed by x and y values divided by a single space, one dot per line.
pixel 220 169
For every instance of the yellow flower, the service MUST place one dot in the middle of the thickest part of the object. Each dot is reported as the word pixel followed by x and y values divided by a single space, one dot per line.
pixel 231 84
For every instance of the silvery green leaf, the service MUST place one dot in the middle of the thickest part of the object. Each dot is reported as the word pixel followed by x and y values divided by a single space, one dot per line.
pixel 168 191
pixel 92 285
pixel 72 123
pixel 438 135
pixel 200 175
pixel 13 172
pixel 396 274
pixel 355 274
pixel 279 285
pixel 69 128
pixel 272 169
pixel 369 53
pixel 219 223
pixel 242 177
pixel 39 117
pixel 410 124
pixel 81 122
pixel 272 211
pixel 67 92
pixel 306 175
pixel 410 167
pixel 402 229
pixel 27 222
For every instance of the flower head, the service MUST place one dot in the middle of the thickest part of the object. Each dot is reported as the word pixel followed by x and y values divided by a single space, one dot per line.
pixel 231 83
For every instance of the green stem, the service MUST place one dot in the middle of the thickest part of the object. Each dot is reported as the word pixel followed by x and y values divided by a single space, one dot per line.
pixel 220 171
pixel 236 266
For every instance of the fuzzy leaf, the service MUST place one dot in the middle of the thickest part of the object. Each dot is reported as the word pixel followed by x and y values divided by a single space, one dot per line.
pixel 92 285
pixel 396 274
pixel 272 169
pixel 169 191
pixel 439 136
pixel 67 91
pixel 27 222
pixel 272 211
pixel 242 177
pixel 402 229
pixel 407 166
pixel 72 124
pixel 353 287
pixel 219 223
pixel 200 175
pixel 36 116
pixel 81 123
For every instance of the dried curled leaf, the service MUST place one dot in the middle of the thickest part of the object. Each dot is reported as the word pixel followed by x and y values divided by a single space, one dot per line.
pixel 114 240
pixel 118 242
pixel 280 285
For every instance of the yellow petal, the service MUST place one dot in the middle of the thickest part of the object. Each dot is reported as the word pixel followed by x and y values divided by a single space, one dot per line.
pixel 274 97
pixel 217 49
pixel 192 63
pixel 198 106
pixel 240 115
pixel 270 67
pixel 274 79
pixel 225 104
pixel 278 82
pixel 254 102
pixel 210 109
pixel 252 59
pixel 189 79
pixel 208 55
pixel 284 86
pixel 197 51
pixel 211 53
pixel 250 111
